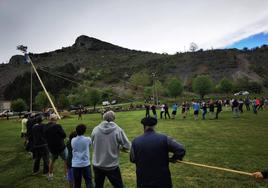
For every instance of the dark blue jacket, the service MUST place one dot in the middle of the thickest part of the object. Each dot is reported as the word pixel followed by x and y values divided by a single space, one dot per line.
pixel 265 174
pixel 150 153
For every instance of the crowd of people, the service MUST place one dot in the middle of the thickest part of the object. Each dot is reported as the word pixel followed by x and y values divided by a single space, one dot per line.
pixel 211 107
pixel 149 152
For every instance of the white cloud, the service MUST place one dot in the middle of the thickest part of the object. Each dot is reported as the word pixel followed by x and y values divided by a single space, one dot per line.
pixel 260 26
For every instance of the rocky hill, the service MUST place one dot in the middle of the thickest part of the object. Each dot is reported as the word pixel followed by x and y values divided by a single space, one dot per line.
pixel 110 66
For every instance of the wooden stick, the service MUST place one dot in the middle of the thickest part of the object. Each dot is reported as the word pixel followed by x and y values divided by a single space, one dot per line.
pixel 217 168
pixel 44 88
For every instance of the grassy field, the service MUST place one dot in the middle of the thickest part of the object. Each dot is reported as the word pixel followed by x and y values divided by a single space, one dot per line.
pixel 240 144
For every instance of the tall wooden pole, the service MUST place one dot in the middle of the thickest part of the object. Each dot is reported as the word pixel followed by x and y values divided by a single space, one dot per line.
pixel 43 86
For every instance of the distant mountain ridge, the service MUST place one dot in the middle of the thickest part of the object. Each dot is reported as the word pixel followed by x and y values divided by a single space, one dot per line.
pixel 84 41
pixel 106 64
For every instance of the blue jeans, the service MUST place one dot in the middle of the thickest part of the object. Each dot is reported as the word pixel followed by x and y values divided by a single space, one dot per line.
pixel 255 109
pixel 204 114
pixel 78 172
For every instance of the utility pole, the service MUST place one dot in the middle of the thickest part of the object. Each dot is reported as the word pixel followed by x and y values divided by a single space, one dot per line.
pixel 31 92
pixel 155 89
pixel 156 93
pixel 153 75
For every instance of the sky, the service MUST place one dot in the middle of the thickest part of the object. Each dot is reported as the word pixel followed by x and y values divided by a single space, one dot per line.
pixel 251 41
pixel 164 26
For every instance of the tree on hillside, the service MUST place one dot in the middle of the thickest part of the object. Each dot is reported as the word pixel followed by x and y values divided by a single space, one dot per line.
pixel 73 99
pixel 225 86
pixel 202 85
pixel 83 98
pixel 63 101
pixel 147 93
pixel 140 79
pixel 244 84
pixel 193 47
pixel 255 87
pixel 241 84
pixel 159 87
pixel 174 87
pixel 18 105
pixel 107 94
pixel 42 101
pixel 86 97
pixel 94 97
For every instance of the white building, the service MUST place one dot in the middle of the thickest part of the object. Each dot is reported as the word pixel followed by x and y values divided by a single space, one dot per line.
pixel 5 105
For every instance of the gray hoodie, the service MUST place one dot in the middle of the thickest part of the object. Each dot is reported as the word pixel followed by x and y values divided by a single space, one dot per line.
pixel 107 139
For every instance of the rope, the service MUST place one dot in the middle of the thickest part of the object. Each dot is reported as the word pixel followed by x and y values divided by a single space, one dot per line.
pixel 216 168
pixel 212 167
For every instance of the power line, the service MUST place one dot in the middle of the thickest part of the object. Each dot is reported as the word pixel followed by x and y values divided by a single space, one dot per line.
pixel 66 75
pixel 59 76
pixel 78 83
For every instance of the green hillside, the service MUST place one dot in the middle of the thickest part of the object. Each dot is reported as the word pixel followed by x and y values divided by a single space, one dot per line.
pixel 108 66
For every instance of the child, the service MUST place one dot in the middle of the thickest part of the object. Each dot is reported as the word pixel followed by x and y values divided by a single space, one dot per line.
pixel 81 157
pixel 70 177
pixel 174 110
pixel 196 108
pixel 204 108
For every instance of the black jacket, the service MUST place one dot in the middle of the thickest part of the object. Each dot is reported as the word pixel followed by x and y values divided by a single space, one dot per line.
pixel 29 133
pixel 55 136
pixel 38 136
pixel 150 153
pixel 235 103
pixel 219 107
pixel 211 107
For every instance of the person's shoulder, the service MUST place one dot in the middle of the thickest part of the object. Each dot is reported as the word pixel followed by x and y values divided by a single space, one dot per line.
pixel 97 128
pixel 24 120
pixel 42 124
pixel 51 125
pixel 86 139
pixel 159 134
pixel 74 139
pixel 94 129
pixel 58 125
pixel 137 138
pixel 118 128
pixel 34 126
